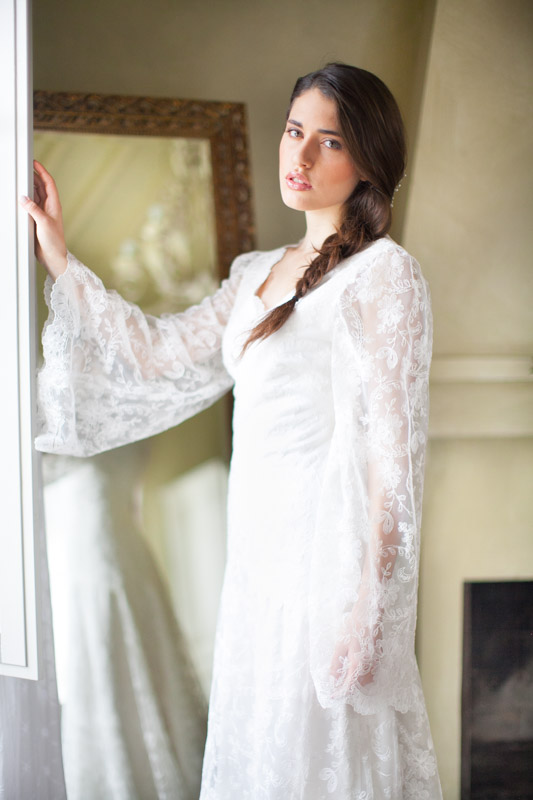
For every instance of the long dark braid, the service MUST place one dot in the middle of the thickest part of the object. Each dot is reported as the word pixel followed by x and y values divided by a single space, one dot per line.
pixel 372 128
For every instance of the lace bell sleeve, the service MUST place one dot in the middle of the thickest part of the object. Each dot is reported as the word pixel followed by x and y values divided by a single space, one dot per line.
pixel 113 375
pixel 366 552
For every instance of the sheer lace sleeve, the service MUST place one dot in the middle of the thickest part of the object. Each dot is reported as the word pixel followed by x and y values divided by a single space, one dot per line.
pixel 113 375
pixel 363 600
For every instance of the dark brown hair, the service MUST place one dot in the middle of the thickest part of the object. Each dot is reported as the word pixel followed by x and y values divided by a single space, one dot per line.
pixel 372 128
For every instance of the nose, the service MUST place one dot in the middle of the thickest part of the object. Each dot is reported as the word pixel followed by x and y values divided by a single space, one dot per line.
pixel 303 155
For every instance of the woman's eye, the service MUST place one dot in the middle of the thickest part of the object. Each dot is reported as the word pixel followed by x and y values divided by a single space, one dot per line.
pixel 293 132
pixel 333 144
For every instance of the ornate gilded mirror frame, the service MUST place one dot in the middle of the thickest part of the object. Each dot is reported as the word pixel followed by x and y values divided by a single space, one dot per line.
pixel 223 124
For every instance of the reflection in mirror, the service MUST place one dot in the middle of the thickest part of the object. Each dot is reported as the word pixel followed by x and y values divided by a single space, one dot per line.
pixel 140 211
pixel 136 536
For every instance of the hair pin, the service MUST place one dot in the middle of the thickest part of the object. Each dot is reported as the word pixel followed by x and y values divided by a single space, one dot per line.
pixel 397 189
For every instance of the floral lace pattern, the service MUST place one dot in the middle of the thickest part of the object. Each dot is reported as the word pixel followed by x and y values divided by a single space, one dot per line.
pixel 380 363
pixel 316 693
pixel 114 374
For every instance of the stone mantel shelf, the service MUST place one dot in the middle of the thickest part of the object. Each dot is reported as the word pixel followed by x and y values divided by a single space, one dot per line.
pixel 481 397
pixel 481 369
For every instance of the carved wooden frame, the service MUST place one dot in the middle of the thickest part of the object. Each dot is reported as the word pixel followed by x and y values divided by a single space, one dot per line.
pixel 224 124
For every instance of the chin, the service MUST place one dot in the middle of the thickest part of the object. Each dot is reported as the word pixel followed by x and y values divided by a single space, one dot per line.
pixel 299 201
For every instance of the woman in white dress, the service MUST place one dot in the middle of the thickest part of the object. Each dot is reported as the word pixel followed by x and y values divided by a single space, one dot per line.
pixel 327 343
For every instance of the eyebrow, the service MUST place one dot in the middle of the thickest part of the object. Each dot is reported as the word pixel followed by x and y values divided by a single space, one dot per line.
pixel 320 130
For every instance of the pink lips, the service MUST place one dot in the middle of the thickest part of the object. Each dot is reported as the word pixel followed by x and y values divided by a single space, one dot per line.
pixel 297 182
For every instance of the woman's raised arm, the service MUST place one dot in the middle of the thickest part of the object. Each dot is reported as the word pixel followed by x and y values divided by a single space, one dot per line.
pixel 112 374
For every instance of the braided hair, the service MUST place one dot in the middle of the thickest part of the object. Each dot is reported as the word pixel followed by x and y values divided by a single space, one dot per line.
pixel 372 128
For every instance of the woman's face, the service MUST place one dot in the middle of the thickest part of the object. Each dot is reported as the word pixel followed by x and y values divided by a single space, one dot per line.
pixel 316 171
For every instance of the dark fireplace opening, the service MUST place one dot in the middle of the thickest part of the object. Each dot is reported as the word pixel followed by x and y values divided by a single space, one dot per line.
pixel 497 701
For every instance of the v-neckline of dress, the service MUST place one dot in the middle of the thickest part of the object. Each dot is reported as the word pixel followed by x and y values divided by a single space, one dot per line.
pixel 277 255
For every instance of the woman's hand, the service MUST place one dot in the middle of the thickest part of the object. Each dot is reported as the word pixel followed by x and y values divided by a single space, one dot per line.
pixel 50 247
pixel 357 653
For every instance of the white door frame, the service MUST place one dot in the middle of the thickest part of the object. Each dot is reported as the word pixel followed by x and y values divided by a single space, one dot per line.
pixel 20 487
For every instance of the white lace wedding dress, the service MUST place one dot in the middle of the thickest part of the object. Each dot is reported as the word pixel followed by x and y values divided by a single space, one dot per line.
pixel 316 692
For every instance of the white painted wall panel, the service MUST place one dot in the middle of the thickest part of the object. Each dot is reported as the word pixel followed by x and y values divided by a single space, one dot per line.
pixel 18 635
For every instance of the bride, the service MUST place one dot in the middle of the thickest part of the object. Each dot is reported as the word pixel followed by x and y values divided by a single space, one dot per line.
pixel 327 345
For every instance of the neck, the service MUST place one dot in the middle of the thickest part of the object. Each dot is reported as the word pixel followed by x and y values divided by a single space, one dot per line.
pixel 319 225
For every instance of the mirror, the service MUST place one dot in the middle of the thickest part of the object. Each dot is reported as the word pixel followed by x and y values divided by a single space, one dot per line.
pixel 156 200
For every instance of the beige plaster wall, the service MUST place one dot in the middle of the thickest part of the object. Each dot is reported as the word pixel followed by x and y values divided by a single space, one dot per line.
pixel 469 222
pixel 471 188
